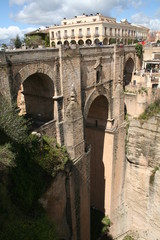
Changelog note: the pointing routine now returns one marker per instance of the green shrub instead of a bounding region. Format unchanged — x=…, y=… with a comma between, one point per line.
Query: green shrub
x=139, y=50
x=11, y=124
x=127, y=237
x=151, y=180
x=31, y=162
x=151, y=110
x=106, y=223
x=28, y=229
x=53, y=157
x=7, y=156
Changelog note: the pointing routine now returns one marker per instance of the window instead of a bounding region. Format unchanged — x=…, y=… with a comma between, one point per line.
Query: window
x=80, y=32
x=65, y=33
x=52, y=34
x=72, y=33
x=96, y=32
x=134, y=82
x=98, y=76
x=88, y=32
x=58, y=34
x=105, y=31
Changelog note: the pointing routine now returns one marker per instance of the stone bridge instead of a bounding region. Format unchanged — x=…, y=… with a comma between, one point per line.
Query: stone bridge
x=76, y=95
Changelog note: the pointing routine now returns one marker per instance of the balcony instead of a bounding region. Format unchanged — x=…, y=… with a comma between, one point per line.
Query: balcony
x=88, y=35
x=80, y=35
x=96, y=35
x=66, y=37
x=105, y=35
x=72, y=36
x=59, y=37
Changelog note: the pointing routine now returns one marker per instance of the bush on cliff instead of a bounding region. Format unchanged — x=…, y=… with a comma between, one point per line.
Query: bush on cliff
x=27, y=164
x=152, y=110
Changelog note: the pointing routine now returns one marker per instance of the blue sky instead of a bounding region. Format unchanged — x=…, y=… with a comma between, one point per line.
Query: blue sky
x=22, y=16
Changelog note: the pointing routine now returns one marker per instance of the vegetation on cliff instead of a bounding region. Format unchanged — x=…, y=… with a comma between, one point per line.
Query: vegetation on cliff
x=27, y=166
x=128, y=237
x=139, y=50
x=152, y=176
x=152, y=110
x=100, y=225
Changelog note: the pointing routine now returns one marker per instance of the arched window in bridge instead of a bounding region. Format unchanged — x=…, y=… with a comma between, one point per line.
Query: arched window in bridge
x=98, y=69
x=98, y=76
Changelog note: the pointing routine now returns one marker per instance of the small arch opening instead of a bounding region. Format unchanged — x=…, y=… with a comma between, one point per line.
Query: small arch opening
x=98, y=75
x=128, y=70
x=81, y=42
x=89, y=42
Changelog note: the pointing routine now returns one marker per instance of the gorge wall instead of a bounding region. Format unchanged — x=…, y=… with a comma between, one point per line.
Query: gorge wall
x=142, y=189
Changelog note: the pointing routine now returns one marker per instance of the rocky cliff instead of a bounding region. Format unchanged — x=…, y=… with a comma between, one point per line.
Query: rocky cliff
x=142, y=188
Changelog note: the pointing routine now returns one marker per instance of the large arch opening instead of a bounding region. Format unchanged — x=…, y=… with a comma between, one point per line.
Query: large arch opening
x=35, y=98
x=128, y=70
x=94, y=135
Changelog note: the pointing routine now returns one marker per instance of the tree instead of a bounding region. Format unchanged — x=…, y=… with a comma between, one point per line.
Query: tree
x=17, y=42
x=139, y=50
x=4, y=45
x=112, y=41
x=34, y=41
x=47, y=40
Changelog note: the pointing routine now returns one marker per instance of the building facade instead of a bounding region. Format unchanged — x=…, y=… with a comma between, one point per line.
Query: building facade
x=94, y=30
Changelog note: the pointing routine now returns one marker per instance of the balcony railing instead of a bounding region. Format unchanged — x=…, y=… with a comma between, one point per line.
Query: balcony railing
x=80, y=35
x=72, y=36
x=88, y=35
x=66, y=36
x=96, y=34
x=59, y=37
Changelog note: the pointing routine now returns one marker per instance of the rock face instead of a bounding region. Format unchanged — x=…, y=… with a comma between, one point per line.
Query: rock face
x=142, y=189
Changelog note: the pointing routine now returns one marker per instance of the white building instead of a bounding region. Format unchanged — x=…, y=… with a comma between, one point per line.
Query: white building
x=95, y=29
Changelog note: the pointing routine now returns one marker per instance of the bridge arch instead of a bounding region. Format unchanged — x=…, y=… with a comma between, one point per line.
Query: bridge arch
x=128, y=70
x=93, y=95
x=94, y=135
x=96, y=114
x=35, y=91
x=97, y=109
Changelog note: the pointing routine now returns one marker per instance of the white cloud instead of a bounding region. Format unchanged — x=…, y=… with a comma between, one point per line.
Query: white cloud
x=18, y=2
x=10, y=33
x=49, y=12
x=142, y=19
